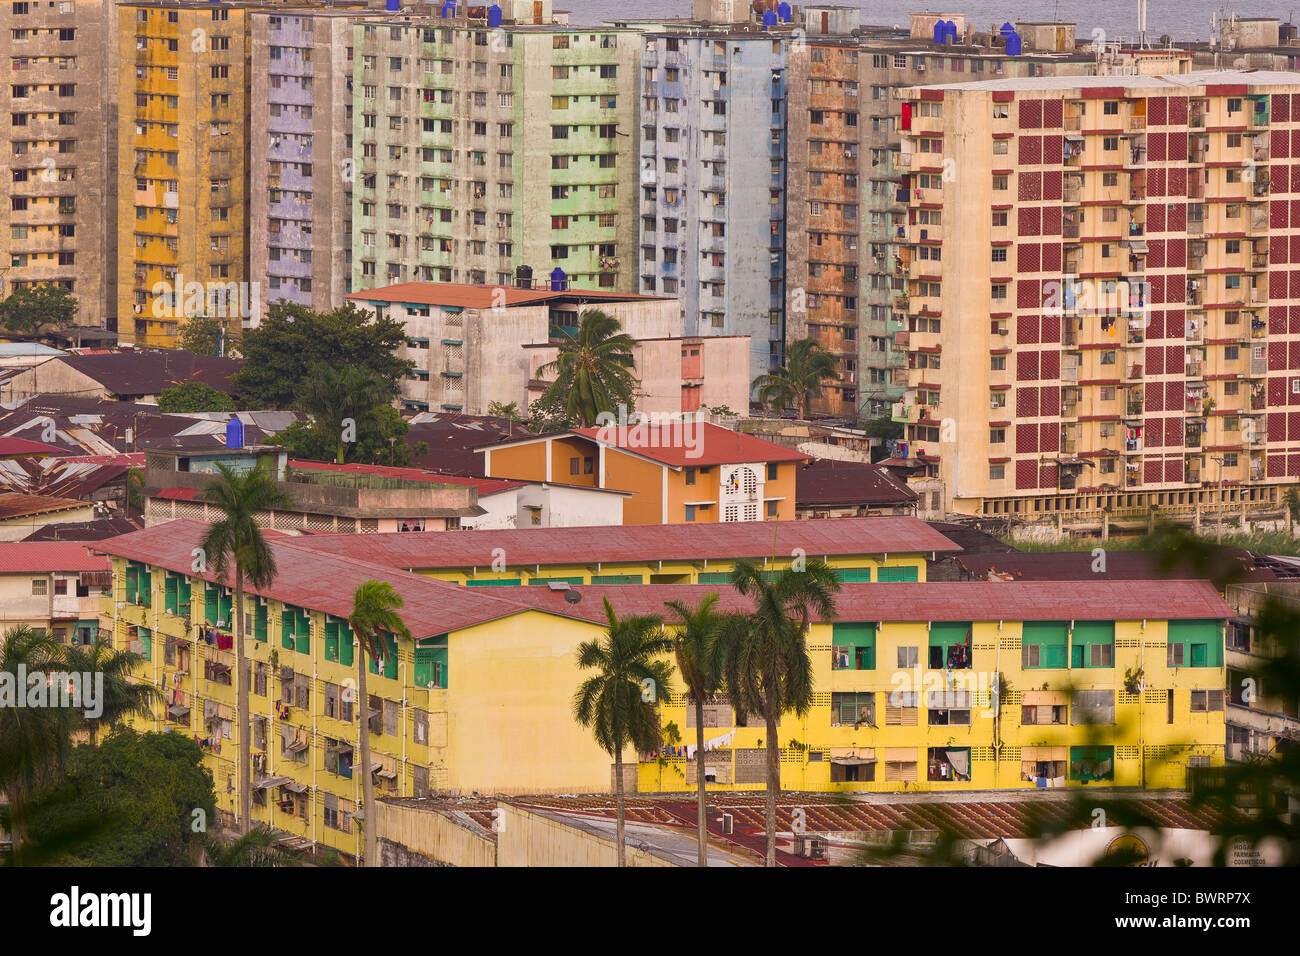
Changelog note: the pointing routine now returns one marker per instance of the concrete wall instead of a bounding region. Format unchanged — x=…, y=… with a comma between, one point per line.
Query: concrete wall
x=528, y=838
x=52, y=377
x=560, y=507
x=15, y=529
x=411, y=836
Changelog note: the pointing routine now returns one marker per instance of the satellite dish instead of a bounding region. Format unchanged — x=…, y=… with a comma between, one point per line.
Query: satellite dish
x=572, y=596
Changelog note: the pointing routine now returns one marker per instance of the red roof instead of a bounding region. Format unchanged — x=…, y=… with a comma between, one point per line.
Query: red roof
x=38, y=557
x=465, y=296
x=694, y=444
x=485, y=486
x=322, y=582
x=931, y=601
x=14, y=505
x=13, y=446
x=179, y=494
x=649, y=542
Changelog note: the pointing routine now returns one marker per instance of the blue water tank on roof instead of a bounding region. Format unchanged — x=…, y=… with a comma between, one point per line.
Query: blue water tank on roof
x=950, y=31
x=1006, y=29
x=784, y=11
x=559, y=281
x=234, y=433
x=939, y=30
x=494, y=16
x=448, y=11
x=769, y=18
x=392, y=6
x=1014, y=44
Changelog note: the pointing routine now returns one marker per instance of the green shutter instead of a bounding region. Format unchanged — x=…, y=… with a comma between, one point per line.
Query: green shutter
x=171, y=595
x=893, y=573
x=302, y=632
x=502, y=582
x=287, y=618
x=1052, y=637
x=573, y=580
x=431, y=663
x=346, y=650
x=259, y=622
x=184, y=592
x=331, y=641
x=1087, y=634
x=714, y=577
x=210, y=605
x=225, y=607
x=146, y=640
x=1204, y=640
x=132, y=582
x=390, y=657
x=616, y=579
x=853, y=575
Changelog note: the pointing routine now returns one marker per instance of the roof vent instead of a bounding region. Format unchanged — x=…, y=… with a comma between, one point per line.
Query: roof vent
x=558, y=585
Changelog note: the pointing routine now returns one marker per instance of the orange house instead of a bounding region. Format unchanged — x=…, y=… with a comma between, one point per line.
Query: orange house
x=678, y=472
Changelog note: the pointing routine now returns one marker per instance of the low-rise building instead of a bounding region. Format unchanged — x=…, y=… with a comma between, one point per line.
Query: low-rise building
x=685, y=471
x=825, y=488
x=320, y=500
x=21, y=514
x=467, y=341
x=53, y=586
x=120, y=375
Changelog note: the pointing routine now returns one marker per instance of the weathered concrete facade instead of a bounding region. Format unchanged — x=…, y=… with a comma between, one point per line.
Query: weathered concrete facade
x=459, y=129
x=58, y=171
x=712, y=187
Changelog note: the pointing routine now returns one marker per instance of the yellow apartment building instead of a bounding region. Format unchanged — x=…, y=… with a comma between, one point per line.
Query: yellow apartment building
x=479, y=700
x=1102, y=294
x=182, y=167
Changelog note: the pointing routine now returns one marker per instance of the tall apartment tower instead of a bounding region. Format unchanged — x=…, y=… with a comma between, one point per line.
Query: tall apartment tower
x=300, y=155
x=479, y=149
x=712, y=182
x=846, y=208
x=182, y=164
x=1104, y=301
x=57, y=170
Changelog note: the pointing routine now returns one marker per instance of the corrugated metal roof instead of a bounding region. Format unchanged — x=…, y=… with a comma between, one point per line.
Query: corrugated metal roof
x=829, y=482
x=932, y=601
x=322, y=582
x=485, y=486
x=14, y=505
x=12, y=445
x=623, y=543
x=45, y=556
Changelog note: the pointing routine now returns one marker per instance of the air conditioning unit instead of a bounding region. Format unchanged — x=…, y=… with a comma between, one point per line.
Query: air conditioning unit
x=728, y=824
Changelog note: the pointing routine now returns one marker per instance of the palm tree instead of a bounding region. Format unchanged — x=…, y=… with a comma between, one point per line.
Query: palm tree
x=257, y=847
x=332, y=396
x=121, y=697
x=235, y=541
x=698, y=641
x=374, y=609
x=594, y=371
x=31, y=738
x=613, y=702
x=767, y=667
x=1292, y=501
x=794, y=384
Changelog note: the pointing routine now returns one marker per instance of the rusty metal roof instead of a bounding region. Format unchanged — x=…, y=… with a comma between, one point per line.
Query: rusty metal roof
x=45, y=556
x=321, y=582
x=635, y=543
x=934, y=601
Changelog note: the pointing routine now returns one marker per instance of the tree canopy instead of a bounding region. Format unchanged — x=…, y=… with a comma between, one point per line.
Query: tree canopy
x=204, y=335
x=195, y=397
x=291, y=340
x=29, y=310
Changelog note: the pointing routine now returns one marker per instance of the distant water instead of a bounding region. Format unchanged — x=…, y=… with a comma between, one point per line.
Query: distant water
x=1180, y=19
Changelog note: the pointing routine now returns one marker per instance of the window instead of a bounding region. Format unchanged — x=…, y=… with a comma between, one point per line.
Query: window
x=853, y=709
x=908, y=658
x=1204, y=701
x=1092, y=707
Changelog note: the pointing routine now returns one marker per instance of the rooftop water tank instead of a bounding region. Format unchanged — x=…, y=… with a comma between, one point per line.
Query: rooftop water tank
x=784, y=12
x=1006, y=28
x=950, y=31
x=448, y=11
x=234, y=433
x=559, y=281
x=494, y=16
x=524, y=277
x=939, y=31
x=1014, y=44
x=769, y=19
x=392, y=6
